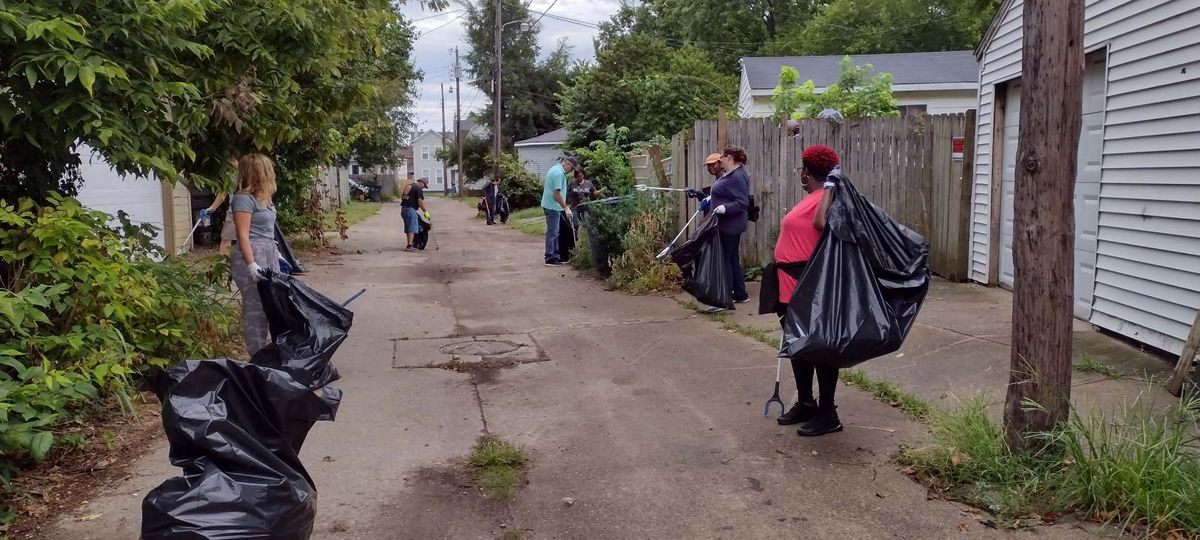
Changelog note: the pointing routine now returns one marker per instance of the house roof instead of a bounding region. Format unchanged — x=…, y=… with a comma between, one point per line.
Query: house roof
x=951, y=67
x=557, y=136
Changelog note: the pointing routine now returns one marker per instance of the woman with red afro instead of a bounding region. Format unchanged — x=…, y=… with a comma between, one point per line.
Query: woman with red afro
x=799, y=233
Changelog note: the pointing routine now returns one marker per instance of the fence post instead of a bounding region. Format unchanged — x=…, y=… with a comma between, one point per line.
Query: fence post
x=655, y=153
x=962, y=265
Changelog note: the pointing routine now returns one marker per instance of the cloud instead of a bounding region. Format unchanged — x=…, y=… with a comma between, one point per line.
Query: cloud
x=433, y=51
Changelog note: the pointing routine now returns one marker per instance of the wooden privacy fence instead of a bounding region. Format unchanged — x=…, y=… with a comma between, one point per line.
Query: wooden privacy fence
x=915, y=168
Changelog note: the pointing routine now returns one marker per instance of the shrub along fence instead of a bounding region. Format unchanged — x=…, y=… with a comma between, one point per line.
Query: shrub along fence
x=915, y=168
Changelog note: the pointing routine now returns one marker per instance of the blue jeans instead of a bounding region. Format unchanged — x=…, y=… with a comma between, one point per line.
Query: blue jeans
x=733, y=265
x=553, y=221
x=412, y=224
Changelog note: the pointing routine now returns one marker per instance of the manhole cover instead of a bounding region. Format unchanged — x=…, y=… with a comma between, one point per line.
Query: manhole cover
x=480, y=348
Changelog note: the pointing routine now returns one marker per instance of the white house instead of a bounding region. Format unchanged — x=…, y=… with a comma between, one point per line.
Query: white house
x=1137, y=191
x=929, y=82
x=424, y=147
x=541, y=152
x=149, y=200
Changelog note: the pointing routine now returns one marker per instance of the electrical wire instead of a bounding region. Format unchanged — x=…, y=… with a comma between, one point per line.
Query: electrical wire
x=447, y=23
x=442, y=14
x=539, y=19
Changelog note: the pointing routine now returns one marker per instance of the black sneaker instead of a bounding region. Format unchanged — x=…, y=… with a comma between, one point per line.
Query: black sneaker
x=823, y=423
x=800, y=412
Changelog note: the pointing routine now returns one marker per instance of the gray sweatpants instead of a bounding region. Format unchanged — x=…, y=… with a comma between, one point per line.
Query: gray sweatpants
x=254, y=318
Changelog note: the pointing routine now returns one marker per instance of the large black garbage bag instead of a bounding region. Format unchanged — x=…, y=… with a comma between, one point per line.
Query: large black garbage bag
x=702, y=261
x=236, y=428
x=285, y=251
x=566, y=237
x=862, y=289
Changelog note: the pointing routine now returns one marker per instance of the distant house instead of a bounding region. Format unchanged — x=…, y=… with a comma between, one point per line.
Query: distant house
x=1137, y=189
x=931, y=82
x=149, y=200
x=541, y=152
x=424, y=159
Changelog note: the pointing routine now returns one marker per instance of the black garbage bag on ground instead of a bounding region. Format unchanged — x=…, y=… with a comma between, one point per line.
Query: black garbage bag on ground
x=285, y=251
x=566, y=237
x=862, y=288
x=236, y=428
x=421, y=239
x=703, y=264
x=502, y=208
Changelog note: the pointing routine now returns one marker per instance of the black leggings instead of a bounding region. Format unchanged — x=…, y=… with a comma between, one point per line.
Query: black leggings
x=827, y=376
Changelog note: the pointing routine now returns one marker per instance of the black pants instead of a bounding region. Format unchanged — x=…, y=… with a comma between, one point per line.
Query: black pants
x=827, y=376
x=730, y=245
x=491, y=210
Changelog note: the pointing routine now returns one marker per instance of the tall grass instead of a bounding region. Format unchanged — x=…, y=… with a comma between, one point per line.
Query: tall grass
x=1139, y=469
x=635, y=269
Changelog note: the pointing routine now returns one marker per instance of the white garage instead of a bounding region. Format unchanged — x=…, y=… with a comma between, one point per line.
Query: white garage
x=145, y=200
x=1137, y=189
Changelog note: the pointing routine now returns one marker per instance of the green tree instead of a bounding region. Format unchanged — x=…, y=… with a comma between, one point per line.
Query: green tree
x=74, y=72
x=477, y=162
x=528, y=86
x=640, y=82
x=786, y=98
x=858, y=93
x=869, y=26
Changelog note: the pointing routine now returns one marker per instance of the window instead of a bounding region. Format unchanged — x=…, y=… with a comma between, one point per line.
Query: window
x=424, y=173
x=354, y=169
x=424, y=152
x=438, y=180
x=912, y=110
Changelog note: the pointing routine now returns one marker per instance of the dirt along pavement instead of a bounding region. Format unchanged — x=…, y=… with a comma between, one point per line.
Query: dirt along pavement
x=640, y=419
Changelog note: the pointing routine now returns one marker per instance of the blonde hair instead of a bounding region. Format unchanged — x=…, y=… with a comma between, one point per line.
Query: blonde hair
x=256, y=176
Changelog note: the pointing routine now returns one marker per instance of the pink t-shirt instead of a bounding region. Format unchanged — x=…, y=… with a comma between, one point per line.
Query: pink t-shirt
x=797, y=239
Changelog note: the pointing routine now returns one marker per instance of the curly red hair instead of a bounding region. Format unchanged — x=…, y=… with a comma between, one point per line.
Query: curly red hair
x=819, y=160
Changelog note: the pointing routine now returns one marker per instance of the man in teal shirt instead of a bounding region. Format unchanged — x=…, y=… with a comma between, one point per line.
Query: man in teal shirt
x=554, y=204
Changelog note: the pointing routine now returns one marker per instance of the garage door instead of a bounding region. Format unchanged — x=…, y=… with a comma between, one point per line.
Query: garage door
x=1087, y=184
x=105, y=190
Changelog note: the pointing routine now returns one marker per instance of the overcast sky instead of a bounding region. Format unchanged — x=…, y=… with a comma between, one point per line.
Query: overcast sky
x=440, y=33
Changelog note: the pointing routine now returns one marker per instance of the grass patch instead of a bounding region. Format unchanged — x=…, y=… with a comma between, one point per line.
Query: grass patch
x=889, y=393
x=531, y=221
x=766, y=337
x=1138, y=469
x=355, y=212
x=581, y=256
x=1088, y=364
x=497, y=466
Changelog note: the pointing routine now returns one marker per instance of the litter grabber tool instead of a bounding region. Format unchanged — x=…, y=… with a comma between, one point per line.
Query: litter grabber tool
x=775, y=396
x=190, y=237
x=353, y=298
x=644, y=187
x=662, y=255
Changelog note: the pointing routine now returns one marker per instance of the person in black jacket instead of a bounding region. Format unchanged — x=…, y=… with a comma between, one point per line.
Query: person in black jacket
x=730, y=199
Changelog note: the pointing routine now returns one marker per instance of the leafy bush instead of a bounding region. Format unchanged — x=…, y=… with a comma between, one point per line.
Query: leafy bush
x=523, y=189
x=85, y=308
x=635, y=269
x=606, y=164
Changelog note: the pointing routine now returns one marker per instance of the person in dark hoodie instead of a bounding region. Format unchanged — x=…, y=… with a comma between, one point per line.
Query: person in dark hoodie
x=799, y=233
x=730, y=199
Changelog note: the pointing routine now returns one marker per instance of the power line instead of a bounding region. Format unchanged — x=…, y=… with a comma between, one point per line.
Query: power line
x=447, y=23
x=539, y=19
x=442, y=14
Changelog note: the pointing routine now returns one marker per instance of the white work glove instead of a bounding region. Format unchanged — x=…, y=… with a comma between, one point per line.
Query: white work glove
x=257, y=272
x=568, y=212
x=720, y=209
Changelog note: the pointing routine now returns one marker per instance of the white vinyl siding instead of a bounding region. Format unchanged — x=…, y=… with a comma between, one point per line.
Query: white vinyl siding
x=1147, y=271
x=539, y=158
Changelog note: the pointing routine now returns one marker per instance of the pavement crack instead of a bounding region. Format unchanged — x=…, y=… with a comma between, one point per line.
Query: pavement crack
x=479, y=402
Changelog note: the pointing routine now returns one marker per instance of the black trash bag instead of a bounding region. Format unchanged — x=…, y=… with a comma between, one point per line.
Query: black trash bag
x=502, y=208
x=236, y=428
x=702, y=261
x=421, y=239
x=862, y=288
x=566, y=237
x=285, y=251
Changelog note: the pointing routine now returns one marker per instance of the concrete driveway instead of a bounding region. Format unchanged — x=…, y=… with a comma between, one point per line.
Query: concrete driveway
x=646, y=416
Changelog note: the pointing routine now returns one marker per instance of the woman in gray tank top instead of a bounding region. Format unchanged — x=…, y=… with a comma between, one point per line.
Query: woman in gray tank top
x=254, y=248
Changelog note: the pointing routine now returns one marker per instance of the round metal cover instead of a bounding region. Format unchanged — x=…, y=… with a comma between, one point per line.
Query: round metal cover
x=480, y=348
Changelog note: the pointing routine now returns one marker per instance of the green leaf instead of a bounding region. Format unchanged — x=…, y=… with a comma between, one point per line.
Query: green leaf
x=39, y=445
x=108, y=310
x=87, y=77
x=70, y=70
x=31, y=74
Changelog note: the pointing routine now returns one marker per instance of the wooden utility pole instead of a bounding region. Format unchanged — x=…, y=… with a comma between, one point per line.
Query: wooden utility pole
x=1039, y=390
x=496, y=105
x=445, y=167
x=1188, y=355
x=458, y=122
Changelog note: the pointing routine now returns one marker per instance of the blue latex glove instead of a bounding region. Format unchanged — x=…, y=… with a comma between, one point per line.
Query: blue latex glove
x=203, y=214
x=705, y=204
x=695, y=194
